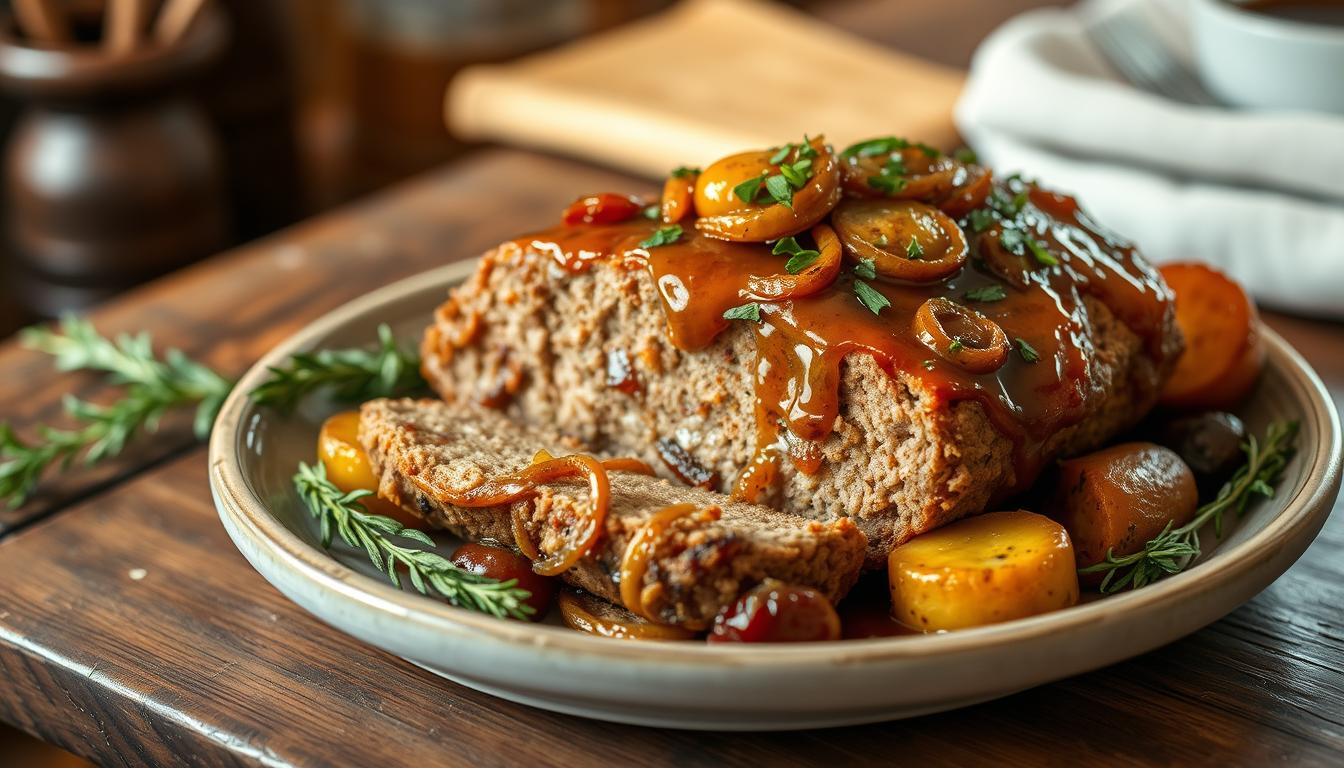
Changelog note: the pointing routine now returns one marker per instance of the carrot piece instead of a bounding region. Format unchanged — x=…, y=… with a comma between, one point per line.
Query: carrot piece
x=1116, y=499
x=1223, y=349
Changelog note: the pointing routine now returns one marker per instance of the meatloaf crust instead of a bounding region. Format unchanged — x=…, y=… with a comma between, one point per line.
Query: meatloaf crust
x=421, y=449
x=897, y=463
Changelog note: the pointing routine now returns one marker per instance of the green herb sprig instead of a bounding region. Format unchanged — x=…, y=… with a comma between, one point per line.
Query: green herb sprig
x=153, y=386
x=351, y=375
x=340, y=513
x=1174, y=549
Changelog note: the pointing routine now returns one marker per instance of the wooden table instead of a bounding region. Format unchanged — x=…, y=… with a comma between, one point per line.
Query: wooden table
x=132, y=632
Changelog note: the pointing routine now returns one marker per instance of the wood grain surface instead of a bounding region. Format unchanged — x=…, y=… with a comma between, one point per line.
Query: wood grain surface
x=133, y=633
x=201, y=658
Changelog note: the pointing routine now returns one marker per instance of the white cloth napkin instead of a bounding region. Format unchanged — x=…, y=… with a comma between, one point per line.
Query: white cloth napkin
x=1258, y=194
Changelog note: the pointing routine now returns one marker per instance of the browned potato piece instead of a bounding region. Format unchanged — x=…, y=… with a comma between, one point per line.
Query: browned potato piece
x=1120, y=497
x=982, y=570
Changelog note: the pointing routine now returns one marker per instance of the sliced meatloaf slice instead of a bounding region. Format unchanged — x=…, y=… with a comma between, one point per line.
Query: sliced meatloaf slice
x=552, y=347
x=420, y=449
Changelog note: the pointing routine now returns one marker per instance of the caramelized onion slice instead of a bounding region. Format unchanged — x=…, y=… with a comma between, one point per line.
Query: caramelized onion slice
x=586, y=613
x=727, y=218
x=973, y=185
x=632, y=465
x=905, y=240
x=623, y=464
x=635, y=561
x=678, y=197
x=812, y=279
x=960, y=335
x=515, y=486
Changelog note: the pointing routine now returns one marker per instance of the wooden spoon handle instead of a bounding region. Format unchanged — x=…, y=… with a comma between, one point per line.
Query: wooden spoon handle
x=43, y=21
x=175, y=19
x=123, y=23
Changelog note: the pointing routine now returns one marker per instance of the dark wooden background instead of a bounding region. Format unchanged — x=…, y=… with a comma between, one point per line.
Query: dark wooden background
x=132, y=632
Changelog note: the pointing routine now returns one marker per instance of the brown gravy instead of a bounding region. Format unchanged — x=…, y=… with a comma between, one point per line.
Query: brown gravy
x=802, y=342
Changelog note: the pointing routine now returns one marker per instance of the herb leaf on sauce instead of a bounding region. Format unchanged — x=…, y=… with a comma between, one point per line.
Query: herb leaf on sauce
x=987, y=293
x=870, y=297
x=800, y=258
x=750, y=311
x=1027, y=351
x=664, y=236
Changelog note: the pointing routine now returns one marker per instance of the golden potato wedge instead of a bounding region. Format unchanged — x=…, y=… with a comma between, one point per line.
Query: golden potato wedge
x=348, y=467
x=982, y=570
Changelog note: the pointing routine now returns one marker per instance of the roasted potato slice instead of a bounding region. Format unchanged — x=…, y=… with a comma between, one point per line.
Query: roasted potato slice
x=983, y=570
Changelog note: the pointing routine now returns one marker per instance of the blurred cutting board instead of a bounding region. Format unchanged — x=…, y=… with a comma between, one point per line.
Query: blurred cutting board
x=704, y=79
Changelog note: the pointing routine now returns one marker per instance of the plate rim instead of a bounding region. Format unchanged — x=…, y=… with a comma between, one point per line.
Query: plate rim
x=1309, y=506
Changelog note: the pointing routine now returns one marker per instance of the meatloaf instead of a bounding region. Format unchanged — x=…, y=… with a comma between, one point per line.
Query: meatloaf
x=426, y=451
x=883, y=333
x=898, y=461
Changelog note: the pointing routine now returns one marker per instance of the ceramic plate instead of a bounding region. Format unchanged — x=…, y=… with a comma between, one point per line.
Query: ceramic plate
x=254, y=453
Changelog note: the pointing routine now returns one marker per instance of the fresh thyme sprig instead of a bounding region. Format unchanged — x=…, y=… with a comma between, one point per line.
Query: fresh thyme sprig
x=340, y=513
x=1175, y=548
x=350, y=374
x=153, y=386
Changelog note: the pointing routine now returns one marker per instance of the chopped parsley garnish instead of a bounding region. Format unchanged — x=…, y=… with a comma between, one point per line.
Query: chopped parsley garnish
x=652, y=211
x=928, y=365
x=980, y=219
x=882, y=240
x=913, y=250
x=1005, y=206
x=875, y=147
x=870, y=297
x=1013, y=241
x=1027, y=351
x=779, y=187
x=747, y=190
x=796, y=173
x=886, y=145
x=890, y=178
x=987, y=293
x=800, y=258
x=681, y=172
x=750, y=311
x=1038, y=250
x=664, y=236
x=965, y=155
x=955, y=346
x=779, y=190
x=866, y=269
x=891, y=185
x=1017, y=242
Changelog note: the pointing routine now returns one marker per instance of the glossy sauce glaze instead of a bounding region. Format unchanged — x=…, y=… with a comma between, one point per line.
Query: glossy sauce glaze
x=1046, y=383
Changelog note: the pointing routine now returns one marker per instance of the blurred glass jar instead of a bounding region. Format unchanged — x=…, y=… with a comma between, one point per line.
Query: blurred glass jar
x=404, y=53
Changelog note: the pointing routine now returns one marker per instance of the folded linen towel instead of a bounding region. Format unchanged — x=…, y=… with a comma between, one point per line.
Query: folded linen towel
x=1260, y=194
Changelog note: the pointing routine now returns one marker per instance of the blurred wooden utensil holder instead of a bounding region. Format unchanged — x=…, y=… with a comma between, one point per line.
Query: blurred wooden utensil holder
x=112, y=172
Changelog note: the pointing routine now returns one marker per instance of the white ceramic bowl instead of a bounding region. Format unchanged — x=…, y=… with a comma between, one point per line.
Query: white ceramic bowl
x=1258, y=61
x=254, y=453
